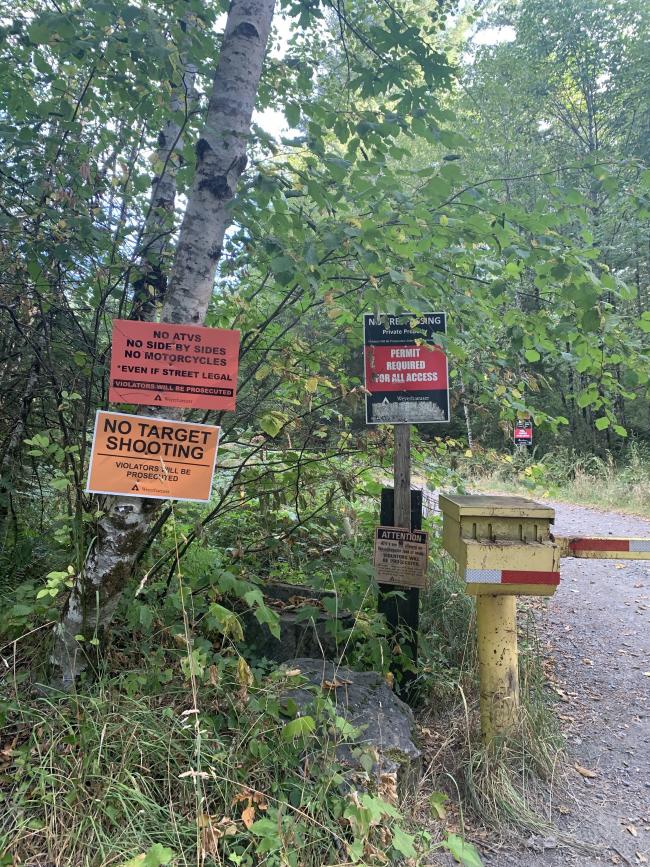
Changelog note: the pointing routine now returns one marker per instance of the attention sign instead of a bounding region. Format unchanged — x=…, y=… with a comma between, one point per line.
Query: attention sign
x=162, y=364
x=141, y=456
x=401, y=556
x=406, y=379
x=523, y=433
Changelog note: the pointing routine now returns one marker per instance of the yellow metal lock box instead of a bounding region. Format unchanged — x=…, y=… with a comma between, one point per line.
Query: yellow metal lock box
x=502, y=544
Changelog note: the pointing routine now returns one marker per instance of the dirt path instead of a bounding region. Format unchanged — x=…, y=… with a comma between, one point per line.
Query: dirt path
x=597, y=630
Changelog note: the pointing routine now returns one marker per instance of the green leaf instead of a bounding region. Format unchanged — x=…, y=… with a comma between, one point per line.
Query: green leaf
x=587, y=397
x=283, y=269
x=355, y=850
x=300, y=727
x=437, y=801
x=265, y=828
x=403, y=843
x=532, y=355
x=292, y=113
x=601, y=423
x=271, y=424
x=156, y=856
x=346, y=729
x=226, y=622
x=462, y=851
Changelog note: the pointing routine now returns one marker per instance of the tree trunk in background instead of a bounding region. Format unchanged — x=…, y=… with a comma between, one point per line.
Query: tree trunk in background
x=14, y=446
x=221, y=158
x=149, y=288
x=468, y=420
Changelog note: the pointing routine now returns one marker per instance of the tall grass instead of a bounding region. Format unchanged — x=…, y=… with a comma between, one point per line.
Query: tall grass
x=95, y=779
x=502, y=784
x=609, y=482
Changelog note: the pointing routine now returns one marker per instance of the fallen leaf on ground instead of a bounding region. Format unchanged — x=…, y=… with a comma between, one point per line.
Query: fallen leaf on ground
x=293, y=672
x=633, y=831
x=212, y=831
x=585, y=772
x=333, y=684
x=248, y=815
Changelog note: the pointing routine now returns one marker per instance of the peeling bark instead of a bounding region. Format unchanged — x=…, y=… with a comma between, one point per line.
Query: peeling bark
x=221, y=158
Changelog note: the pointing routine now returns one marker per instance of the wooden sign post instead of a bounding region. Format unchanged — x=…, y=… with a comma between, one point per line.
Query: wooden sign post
x=402, y=507
x=407, y=382
x=402, y=476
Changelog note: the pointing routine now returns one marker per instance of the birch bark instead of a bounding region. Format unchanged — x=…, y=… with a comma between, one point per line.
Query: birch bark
x=221, y=158
x=149, y=288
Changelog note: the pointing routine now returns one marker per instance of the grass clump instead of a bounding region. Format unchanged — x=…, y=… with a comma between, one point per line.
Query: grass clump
x=235, y=778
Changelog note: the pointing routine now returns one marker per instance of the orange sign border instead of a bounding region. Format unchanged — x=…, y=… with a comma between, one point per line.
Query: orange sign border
x=106, y=412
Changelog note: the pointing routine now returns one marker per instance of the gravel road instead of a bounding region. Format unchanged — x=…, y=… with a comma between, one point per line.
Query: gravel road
x=596, y=638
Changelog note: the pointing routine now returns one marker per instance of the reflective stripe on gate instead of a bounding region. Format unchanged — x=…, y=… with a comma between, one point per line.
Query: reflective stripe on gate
x=510, y=576
x=609, y=548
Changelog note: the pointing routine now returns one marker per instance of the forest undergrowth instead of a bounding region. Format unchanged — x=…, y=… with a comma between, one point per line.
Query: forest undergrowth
x=179, y=748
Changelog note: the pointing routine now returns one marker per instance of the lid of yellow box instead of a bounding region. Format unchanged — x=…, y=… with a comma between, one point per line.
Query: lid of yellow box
x=490, y=505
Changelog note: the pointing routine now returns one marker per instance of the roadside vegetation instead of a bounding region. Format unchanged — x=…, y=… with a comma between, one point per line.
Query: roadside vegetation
x=490, y=161
x=179, y=742
x=618, y=482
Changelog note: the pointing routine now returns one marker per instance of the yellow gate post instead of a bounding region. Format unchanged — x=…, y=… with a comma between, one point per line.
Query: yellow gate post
x=496, y=633
x=503, y=549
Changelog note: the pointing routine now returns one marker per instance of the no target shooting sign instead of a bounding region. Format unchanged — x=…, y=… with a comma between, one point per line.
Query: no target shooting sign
x=141, y=456
x=406, y=374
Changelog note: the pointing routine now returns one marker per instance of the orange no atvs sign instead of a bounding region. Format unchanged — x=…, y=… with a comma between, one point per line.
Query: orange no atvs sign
x=139, y=456
x=163, y=364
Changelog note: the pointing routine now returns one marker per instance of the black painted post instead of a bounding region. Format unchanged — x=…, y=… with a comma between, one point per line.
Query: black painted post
x=401, y=612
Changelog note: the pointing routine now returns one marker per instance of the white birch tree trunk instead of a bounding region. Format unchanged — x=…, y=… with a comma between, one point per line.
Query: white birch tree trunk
x=221, y=158
x=468, y=420
x=149, y=288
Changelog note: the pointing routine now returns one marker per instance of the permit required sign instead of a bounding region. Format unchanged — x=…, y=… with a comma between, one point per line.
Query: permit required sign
x=407, y=379
x=165, y=364
x=523, y=435
x=142, y=456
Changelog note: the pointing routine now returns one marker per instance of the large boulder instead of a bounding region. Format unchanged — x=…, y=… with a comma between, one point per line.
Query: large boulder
x=365, y=701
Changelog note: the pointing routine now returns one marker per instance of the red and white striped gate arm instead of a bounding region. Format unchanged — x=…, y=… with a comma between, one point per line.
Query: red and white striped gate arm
x=607, y=548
